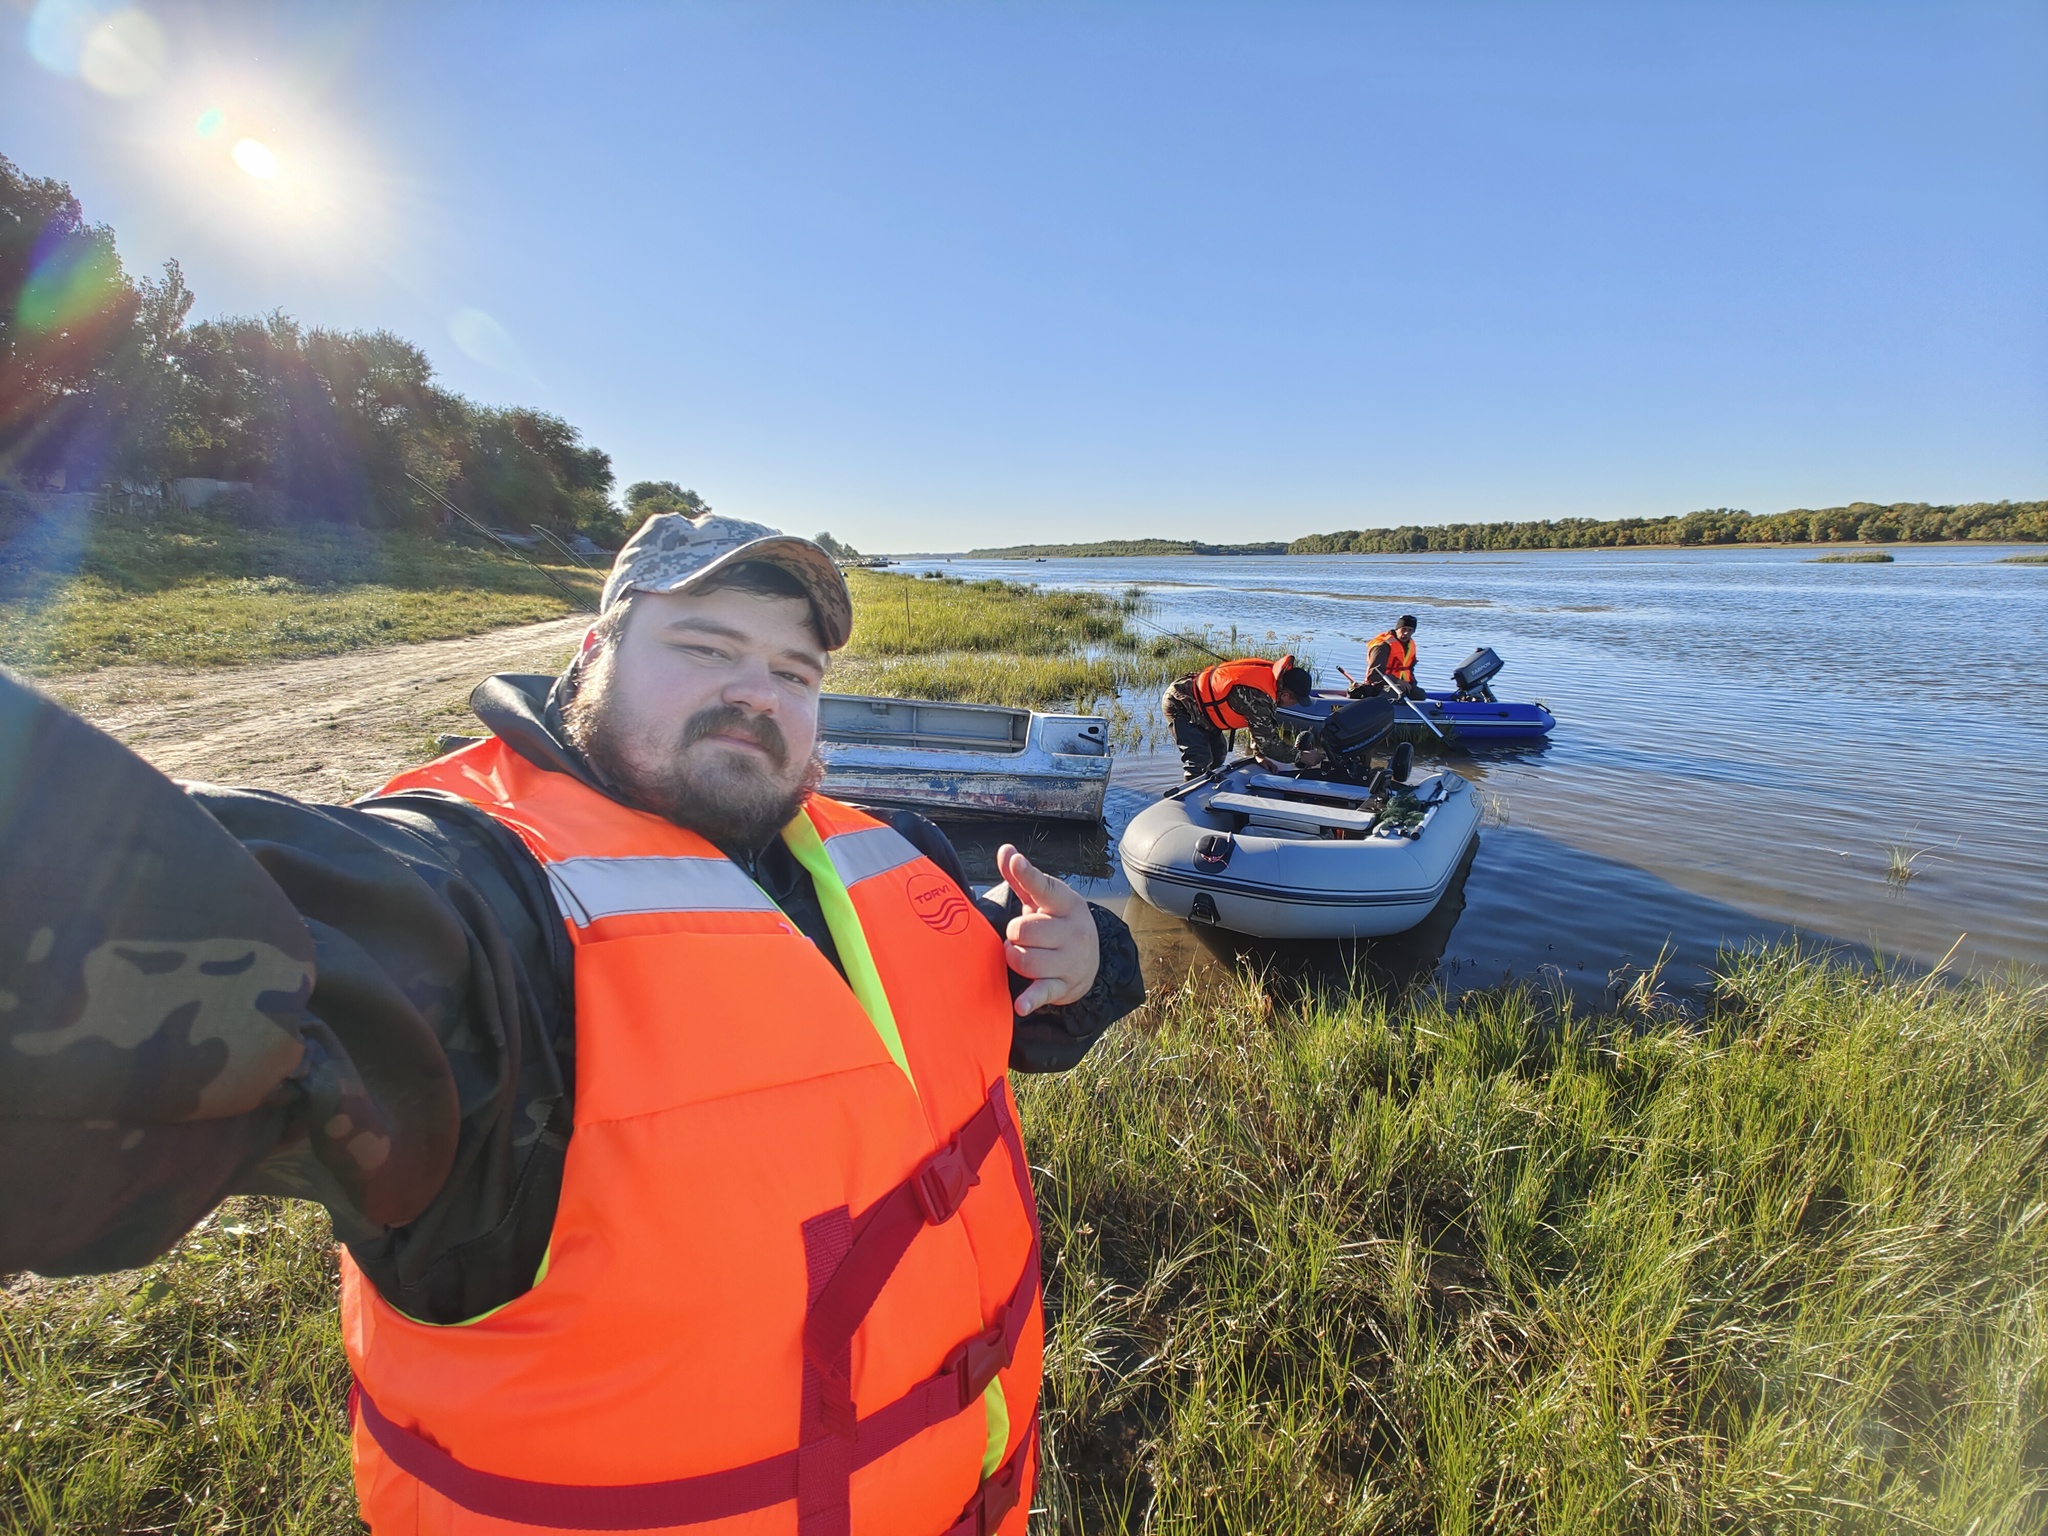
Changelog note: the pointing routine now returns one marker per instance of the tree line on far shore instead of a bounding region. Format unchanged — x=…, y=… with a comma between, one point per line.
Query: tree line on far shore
x=104, y=382
x=1861, y=521
x=1128, y=549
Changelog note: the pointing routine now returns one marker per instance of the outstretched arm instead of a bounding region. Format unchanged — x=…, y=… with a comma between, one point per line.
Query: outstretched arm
x=207, y=992
x=156, y=1022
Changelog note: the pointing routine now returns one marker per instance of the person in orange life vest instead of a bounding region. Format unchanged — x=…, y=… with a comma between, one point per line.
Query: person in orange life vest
x=1390, y=661
x=659, y=1100
x=1232, y=696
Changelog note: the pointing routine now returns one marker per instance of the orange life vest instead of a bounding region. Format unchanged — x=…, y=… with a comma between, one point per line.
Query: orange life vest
x=1213, y=685
x=792, y=1285
x=1400, y=656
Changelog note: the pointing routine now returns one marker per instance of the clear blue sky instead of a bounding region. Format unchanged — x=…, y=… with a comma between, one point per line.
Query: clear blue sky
x=942, y=275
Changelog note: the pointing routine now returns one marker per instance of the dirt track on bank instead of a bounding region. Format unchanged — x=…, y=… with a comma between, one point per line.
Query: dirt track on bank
x=328, y=728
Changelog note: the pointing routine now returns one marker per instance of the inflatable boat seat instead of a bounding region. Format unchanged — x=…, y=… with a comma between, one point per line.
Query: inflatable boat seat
x=1292, y=813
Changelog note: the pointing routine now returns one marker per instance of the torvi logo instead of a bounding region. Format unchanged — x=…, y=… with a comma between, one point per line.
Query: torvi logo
x=938, y=901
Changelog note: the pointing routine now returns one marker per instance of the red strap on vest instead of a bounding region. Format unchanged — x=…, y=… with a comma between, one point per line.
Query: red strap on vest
x=881, y=1236
x=998, y=1495
x=955, y=1386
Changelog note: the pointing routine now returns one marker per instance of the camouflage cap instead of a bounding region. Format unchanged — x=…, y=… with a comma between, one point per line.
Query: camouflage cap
x=672, y=553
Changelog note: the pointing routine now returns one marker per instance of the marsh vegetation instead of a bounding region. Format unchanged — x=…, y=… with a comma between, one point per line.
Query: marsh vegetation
x=994, y=642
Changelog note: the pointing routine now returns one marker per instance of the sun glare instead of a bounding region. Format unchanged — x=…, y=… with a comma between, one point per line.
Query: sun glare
x=255, y=145
x=256, y=158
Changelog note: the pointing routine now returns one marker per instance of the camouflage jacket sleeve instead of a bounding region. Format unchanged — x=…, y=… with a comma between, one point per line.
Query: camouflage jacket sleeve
x=159, y=1021
x=1269, y=739
x=222, y=992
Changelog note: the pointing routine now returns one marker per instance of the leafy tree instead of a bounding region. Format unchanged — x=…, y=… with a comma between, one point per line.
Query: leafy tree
x=834, y=548
x=645, y=498
x=1910, y=522
x=64, y=303
x=100, y=375
x=520, y=467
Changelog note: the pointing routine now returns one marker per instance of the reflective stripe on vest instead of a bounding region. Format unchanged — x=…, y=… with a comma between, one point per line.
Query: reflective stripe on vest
x=1213, y=685
x=795, y=1238
x=589, y=889
x=859, y=856
x=1400, y=656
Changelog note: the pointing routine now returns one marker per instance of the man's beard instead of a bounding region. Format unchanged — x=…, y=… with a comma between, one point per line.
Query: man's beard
x=718, y=796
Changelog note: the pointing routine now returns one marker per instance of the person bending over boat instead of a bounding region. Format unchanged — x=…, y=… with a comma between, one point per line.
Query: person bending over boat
x=1237, y=696
x=679, y=1086
x=1390, y=662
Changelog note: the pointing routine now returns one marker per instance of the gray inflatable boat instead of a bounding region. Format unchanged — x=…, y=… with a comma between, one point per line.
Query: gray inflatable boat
x=1350, y=852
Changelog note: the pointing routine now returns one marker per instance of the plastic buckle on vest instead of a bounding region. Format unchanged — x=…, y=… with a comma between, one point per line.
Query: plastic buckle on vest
x=976, y=1362
x=942, y=1181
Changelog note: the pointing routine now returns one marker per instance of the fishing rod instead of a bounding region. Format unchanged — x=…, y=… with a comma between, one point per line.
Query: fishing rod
x=1176, y=635
x=510, y=548
x=565, y=549
x=1403, y=699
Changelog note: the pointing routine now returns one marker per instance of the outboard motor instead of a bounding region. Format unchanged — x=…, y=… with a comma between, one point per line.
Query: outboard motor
x=1474, y=672
x=1347, y=735
x=1354, y=726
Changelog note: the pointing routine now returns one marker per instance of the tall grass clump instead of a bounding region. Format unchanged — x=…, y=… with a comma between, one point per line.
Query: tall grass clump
x=905, y=616
x=203, y=1394
x=1365, y=1267
x=995, y=642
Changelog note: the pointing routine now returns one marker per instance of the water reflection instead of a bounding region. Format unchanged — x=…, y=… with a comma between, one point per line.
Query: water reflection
x=1080, y=853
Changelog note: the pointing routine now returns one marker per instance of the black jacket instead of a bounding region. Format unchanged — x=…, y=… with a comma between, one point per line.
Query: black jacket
x=411, y=1064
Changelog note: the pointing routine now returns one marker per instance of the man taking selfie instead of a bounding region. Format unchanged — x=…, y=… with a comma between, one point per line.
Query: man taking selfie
x=659, y=1101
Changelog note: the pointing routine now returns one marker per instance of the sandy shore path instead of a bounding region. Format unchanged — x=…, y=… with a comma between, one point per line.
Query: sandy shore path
x=328, y=728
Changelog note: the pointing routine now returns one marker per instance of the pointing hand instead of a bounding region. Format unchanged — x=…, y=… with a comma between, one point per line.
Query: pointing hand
x=1053, y=941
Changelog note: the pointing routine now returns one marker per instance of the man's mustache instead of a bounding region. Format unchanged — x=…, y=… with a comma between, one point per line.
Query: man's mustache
x=730, y=719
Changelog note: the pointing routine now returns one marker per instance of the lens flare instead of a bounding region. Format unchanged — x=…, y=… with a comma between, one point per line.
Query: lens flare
x=256, y=159
x=483, y=338
x=124, y=55
x=211, y=121
x=70, y=282
x=57, y=30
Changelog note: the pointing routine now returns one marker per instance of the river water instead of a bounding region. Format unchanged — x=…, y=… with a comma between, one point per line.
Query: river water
x=1749, y=744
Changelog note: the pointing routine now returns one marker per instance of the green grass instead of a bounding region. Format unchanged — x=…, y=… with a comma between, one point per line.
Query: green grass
x=203, y=1394
x=82, y=592
x=1347, y=1266
x=2024, y=560
x=1854, y=557
x=994, y=642
x=1358, y=1268
x=912, y=616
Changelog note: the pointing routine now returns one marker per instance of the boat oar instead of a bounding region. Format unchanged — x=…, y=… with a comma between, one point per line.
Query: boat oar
x=1404, y=699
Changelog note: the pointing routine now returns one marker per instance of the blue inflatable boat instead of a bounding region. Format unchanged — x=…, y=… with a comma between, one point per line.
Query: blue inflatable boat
x=1478, y=717
x=1480, y=721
